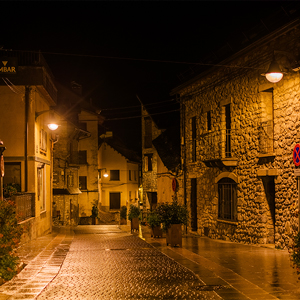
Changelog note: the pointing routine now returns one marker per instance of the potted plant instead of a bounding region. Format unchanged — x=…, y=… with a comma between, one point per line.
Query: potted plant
x=94, y=213
x=133, y=216
x=123, y=215
x=154, y=222
x=173, y=216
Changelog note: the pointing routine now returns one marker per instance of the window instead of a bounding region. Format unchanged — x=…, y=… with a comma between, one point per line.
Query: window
x=43, y=140
x=148, y=132
x=114, y=200
x=135, y=177
x=129, y=175
x=82, y=156
x=148, y=162
x=228, y=131
x=70, y=179
x=227, y=199
x=13, y=174
x=208, y=120
x=194, y=141
x=82, y=182
x=114, y=174
x=41, y=187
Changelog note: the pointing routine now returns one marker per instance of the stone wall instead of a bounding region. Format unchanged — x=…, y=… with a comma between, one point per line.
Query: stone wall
x=256, y=171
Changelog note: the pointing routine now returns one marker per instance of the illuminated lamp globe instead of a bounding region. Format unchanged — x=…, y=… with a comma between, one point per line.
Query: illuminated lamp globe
x=274, y=73
x=52, y=126
x=105, y=175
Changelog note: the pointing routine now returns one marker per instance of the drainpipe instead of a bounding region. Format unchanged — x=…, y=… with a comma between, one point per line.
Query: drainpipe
x=27, y=96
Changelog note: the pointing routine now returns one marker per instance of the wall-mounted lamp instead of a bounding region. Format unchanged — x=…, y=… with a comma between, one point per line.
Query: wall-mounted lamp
x=52, y=123
x=105, y=174
x=274, y=73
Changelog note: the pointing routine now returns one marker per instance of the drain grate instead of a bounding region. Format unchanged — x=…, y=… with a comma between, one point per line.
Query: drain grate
x=210, y=287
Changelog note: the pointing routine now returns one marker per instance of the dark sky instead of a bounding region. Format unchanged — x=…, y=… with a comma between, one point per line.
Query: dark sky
x=105, y=46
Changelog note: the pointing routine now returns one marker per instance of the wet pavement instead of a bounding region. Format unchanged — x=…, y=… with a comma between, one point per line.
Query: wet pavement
x=106, y=262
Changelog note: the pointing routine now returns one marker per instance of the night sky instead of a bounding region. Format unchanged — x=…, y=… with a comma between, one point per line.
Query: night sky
x=118, y=50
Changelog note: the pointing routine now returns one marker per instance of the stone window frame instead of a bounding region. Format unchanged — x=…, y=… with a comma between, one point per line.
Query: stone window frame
x=228, y=178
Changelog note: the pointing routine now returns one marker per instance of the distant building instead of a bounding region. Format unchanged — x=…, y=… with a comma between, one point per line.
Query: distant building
x=121, y=186
x=239, y=132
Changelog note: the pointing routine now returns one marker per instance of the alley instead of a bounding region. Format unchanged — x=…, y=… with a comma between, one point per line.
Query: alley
x=108, y=262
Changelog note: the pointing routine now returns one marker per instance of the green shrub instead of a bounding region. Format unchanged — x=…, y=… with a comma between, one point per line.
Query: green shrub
x=154, y=219
x=172, y=213
x=10, y=235
x=123, y=212
x=134, y=212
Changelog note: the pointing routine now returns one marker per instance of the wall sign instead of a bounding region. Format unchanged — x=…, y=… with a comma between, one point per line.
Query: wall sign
x=296, y=155
x=8, y=65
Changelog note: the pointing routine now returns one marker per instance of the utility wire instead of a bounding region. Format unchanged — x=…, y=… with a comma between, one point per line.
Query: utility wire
x=138, y=59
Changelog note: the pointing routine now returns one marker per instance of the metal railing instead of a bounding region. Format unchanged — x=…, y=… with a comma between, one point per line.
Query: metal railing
x=218, y=144
x=25, y=205
x=266, y=137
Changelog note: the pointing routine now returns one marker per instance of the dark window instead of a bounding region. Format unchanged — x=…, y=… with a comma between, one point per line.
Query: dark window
x=13, y=174
x=208, y=115
x=82, y=156
x=82, y=183
x=129, y=175
x=227, y=199
x=114, y=200
x=148, y=162
x=228, y=131
x=114, y=174
x=148, y=132
x=194, y=141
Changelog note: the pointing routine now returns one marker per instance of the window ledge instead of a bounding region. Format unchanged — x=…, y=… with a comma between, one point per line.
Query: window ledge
x=271, y=154
x=228, y=222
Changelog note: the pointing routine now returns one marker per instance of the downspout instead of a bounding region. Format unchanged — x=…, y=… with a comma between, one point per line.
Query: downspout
x=27, y=96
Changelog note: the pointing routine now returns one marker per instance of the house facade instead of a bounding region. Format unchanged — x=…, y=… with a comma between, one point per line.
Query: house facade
x=239, y=132
x=26, y=98
x=118, y=173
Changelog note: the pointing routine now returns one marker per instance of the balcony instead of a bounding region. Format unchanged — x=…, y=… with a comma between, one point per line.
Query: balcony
x=217, y=148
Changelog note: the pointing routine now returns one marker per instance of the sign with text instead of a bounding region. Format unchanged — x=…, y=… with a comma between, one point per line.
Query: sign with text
x=8, y=66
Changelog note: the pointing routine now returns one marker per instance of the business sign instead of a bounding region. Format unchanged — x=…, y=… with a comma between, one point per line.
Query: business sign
x=8, y=66
x=296, y=155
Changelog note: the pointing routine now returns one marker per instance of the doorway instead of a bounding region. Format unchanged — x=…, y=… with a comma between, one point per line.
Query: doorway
x=194, y=223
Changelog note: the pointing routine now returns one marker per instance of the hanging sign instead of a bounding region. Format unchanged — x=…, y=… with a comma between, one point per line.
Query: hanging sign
x=174, y=184
x=296, y=155
x=8, y=65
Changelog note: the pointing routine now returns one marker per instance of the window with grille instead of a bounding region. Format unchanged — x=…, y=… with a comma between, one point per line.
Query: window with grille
x=227, y=200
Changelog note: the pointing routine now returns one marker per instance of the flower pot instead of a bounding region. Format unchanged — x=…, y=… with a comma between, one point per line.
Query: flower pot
x=135, y=223
x=123, y=222
x=174, y=235
x=156, y=231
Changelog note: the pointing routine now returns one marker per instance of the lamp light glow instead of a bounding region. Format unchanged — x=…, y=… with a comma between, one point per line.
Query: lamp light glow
x=52, y=126
x=274, y=74
x=105, y=175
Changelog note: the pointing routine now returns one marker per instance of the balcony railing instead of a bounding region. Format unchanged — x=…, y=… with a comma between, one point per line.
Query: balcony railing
x=266, y=137
x=218, y=144
x=25, y=204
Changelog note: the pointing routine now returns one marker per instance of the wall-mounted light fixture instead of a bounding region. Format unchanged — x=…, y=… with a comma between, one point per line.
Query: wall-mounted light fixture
x=274, y=74
x=105, y=174
x=52, y=125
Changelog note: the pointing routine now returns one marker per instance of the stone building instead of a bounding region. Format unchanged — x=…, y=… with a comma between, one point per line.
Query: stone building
x=161, y=167
x=239, y=132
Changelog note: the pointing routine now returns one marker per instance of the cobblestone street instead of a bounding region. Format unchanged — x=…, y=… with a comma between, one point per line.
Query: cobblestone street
x=106, y=263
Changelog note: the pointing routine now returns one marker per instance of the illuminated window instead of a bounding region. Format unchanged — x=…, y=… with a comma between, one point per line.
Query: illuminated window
x=41, y=187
